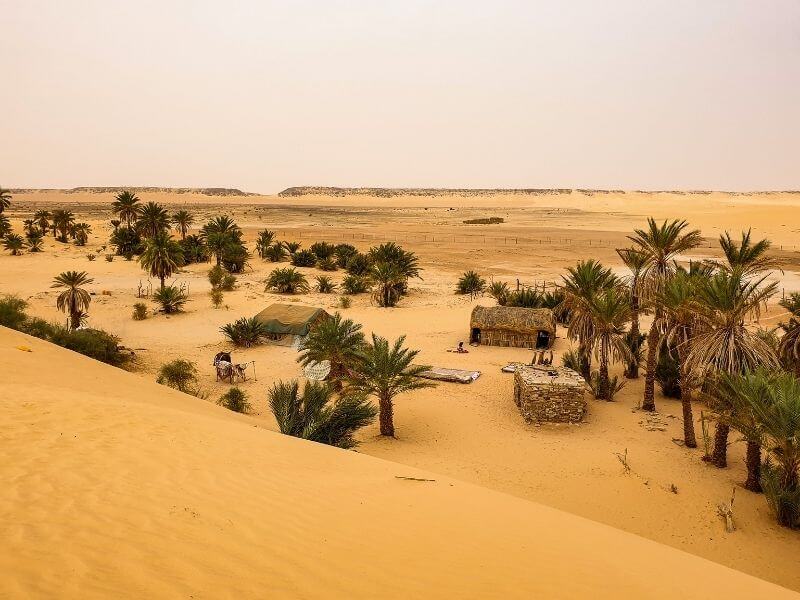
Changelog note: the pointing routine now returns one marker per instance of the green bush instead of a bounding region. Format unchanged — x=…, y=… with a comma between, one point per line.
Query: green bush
x=668, y=374
x=354, y=284
x=323, y=250
x=171, y=299
x=327, y=264
x=471, y=283
x=345, y=301
x=94, y=343
x=358, y=265
x=109, y=258
x=215, y=276
x=217, y=297
x=292, y=247
x=274, y=253
x=139, y=311
x=304, y=258
x=236, y=400
x=343, y=253
x=287, y=281
x=325, y=285
x=247, y=331
x=179, y=374
x=499, y=291
x=12, y=311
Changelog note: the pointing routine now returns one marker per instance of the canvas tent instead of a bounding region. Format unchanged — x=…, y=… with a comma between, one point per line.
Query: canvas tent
x=290, y=323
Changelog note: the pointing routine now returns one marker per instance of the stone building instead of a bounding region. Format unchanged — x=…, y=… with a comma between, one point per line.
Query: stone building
x=546, y=394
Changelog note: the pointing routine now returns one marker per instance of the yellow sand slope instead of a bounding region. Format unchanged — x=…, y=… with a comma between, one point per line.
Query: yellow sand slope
x=114, y=487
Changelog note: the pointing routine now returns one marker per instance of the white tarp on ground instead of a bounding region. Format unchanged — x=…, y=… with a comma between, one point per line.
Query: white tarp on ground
x=452, y=375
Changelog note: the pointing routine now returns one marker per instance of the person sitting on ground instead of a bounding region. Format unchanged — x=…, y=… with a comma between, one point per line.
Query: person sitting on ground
x=460, y=349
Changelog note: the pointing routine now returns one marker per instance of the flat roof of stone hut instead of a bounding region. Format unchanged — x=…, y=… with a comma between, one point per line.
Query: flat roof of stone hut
x=538, y=375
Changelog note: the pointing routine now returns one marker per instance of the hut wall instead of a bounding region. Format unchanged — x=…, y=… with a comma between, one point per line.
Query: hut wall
x=544, y=402
x=502, y=337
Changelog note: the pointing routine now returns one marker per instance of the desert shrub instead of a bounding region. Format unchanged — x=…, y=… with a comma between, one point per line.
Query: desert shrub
x=34, y=243
x=317, y=416
x=236, y=400
x=264, y=241
x=327, y=264
x=471, y=283
x=287, y=281
x=345, y=301
x=485, y=221
x=171, y=299
x=94, y=343
x=194, y=249
x=358, y=265
x=783, y=501
x=499, y=291
x=292, y=247
x=668, y=373
x=215, y=276
x=325, y=285
x=14, y=244
x=109, y=258
x=274, y=253
x=228, y=282
x=91, y=257
x=247, y=331
x=12, y=311
x=179, y=374
x=526, y=298
x=615, y=384
x=323, y=250
x=304, y=258
x=139, y=311
x=39, y=328
x=343, y=252
x=572, y=360
x=354, y=284
x=217, y=297
x=127, y=240
x=235, y=256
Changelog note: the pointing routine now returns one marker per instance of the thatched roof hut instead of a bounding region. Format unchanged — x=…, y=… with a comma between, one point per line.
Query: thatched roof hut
x=513, y=326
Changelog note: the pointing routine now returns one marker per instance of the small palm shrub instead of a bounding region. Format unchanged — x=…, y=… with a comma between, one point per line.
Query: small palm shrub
x=110, y=257
x=179, y=374
x=327, y=264
x=317, y=416
x=345, y=301
x=615, y=384
x=358, y=265
x=14, y=244
x=343, y=252
x=668, y=375
x=215, y=276
x=526, y=298
x=292, y=247
x=304, y=258
x=323, y=250
x=499, y=291
x=274, y=253
x=34, y=243
x=264, y=241
x=228, y=282
x=91, y=257
x=236, y=400
x=171, y=299
x=217, y=297
x=12, y=311
x=572, y=360
x=139, y=311
x=353, y=284
x=471, y=283
x=287, y=281
x=325, y=285
x=247, y=332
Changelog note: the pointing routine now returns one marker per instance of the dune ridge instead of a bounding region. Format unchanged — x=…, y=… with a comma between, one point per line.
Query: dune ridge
x=118, y=486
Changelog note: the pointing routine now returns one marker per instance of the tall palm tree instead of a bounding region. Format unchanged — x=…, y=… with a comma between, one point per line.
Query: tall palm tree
x=609, y=311
x=724, y=343
x=152, y=219
x=746, y=255
x=387, y=278
x=581, y=283
x=126, y=205
x=74, y=300
x=63, y=220
x=679, y=323
x=81, y=232
x=660, y=244
x=636, y=261
x=264, y=241
x=336, y=340
x=183, y=220
x=162, y=256
x=5, y=199
x=385, y=370
x=42, y=218
x=222, y=224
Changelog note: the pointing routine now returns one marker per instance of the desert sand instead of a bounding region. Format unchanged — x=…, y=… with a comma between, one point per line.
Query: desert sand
x=149, y=475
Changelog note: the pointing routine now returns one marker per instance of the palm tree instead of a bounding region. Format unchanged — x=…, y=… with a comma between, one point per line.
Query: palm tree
x=315, y=416
x=789, y=345
x=29, y=226
x=724, y=344
x=35, y=242
x=152, y=219
x=388, y=279
x=223, y=224
x=678, y=324
x=748, y=256
x=183, y=220
x=263, y=242
x=660, y=244
x=336, y=340
x=171, y=298
x=636, y=261
x=81, y=232
x=74, y=300
x=404, y=262
x=63, y=221
x=5, y=199
x=386, y=371
x=13, y=243
x=581, y=283
x=162, y=256
x=287, y=281
x=609, y=311
x=126, y=206
x=5, y=226
x=42, y=218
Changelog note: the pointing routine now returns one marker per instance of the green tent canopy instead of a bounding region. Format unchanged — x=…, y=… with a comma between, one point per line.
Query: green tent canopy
x=291, y=319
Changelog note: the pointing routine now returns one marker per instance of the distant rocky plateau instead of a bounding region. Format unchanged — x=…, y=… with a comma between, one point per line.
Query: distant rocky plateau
x=392, y=192
x=139, y=190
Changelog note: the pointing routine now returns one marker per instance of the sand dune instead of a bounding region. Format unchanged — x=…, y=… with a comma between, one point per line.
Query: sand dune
x=114, y=486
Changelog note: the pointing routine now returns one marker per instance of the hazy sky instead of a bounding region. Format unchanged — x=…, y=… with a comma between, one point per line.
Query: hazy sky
x=262, y=95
